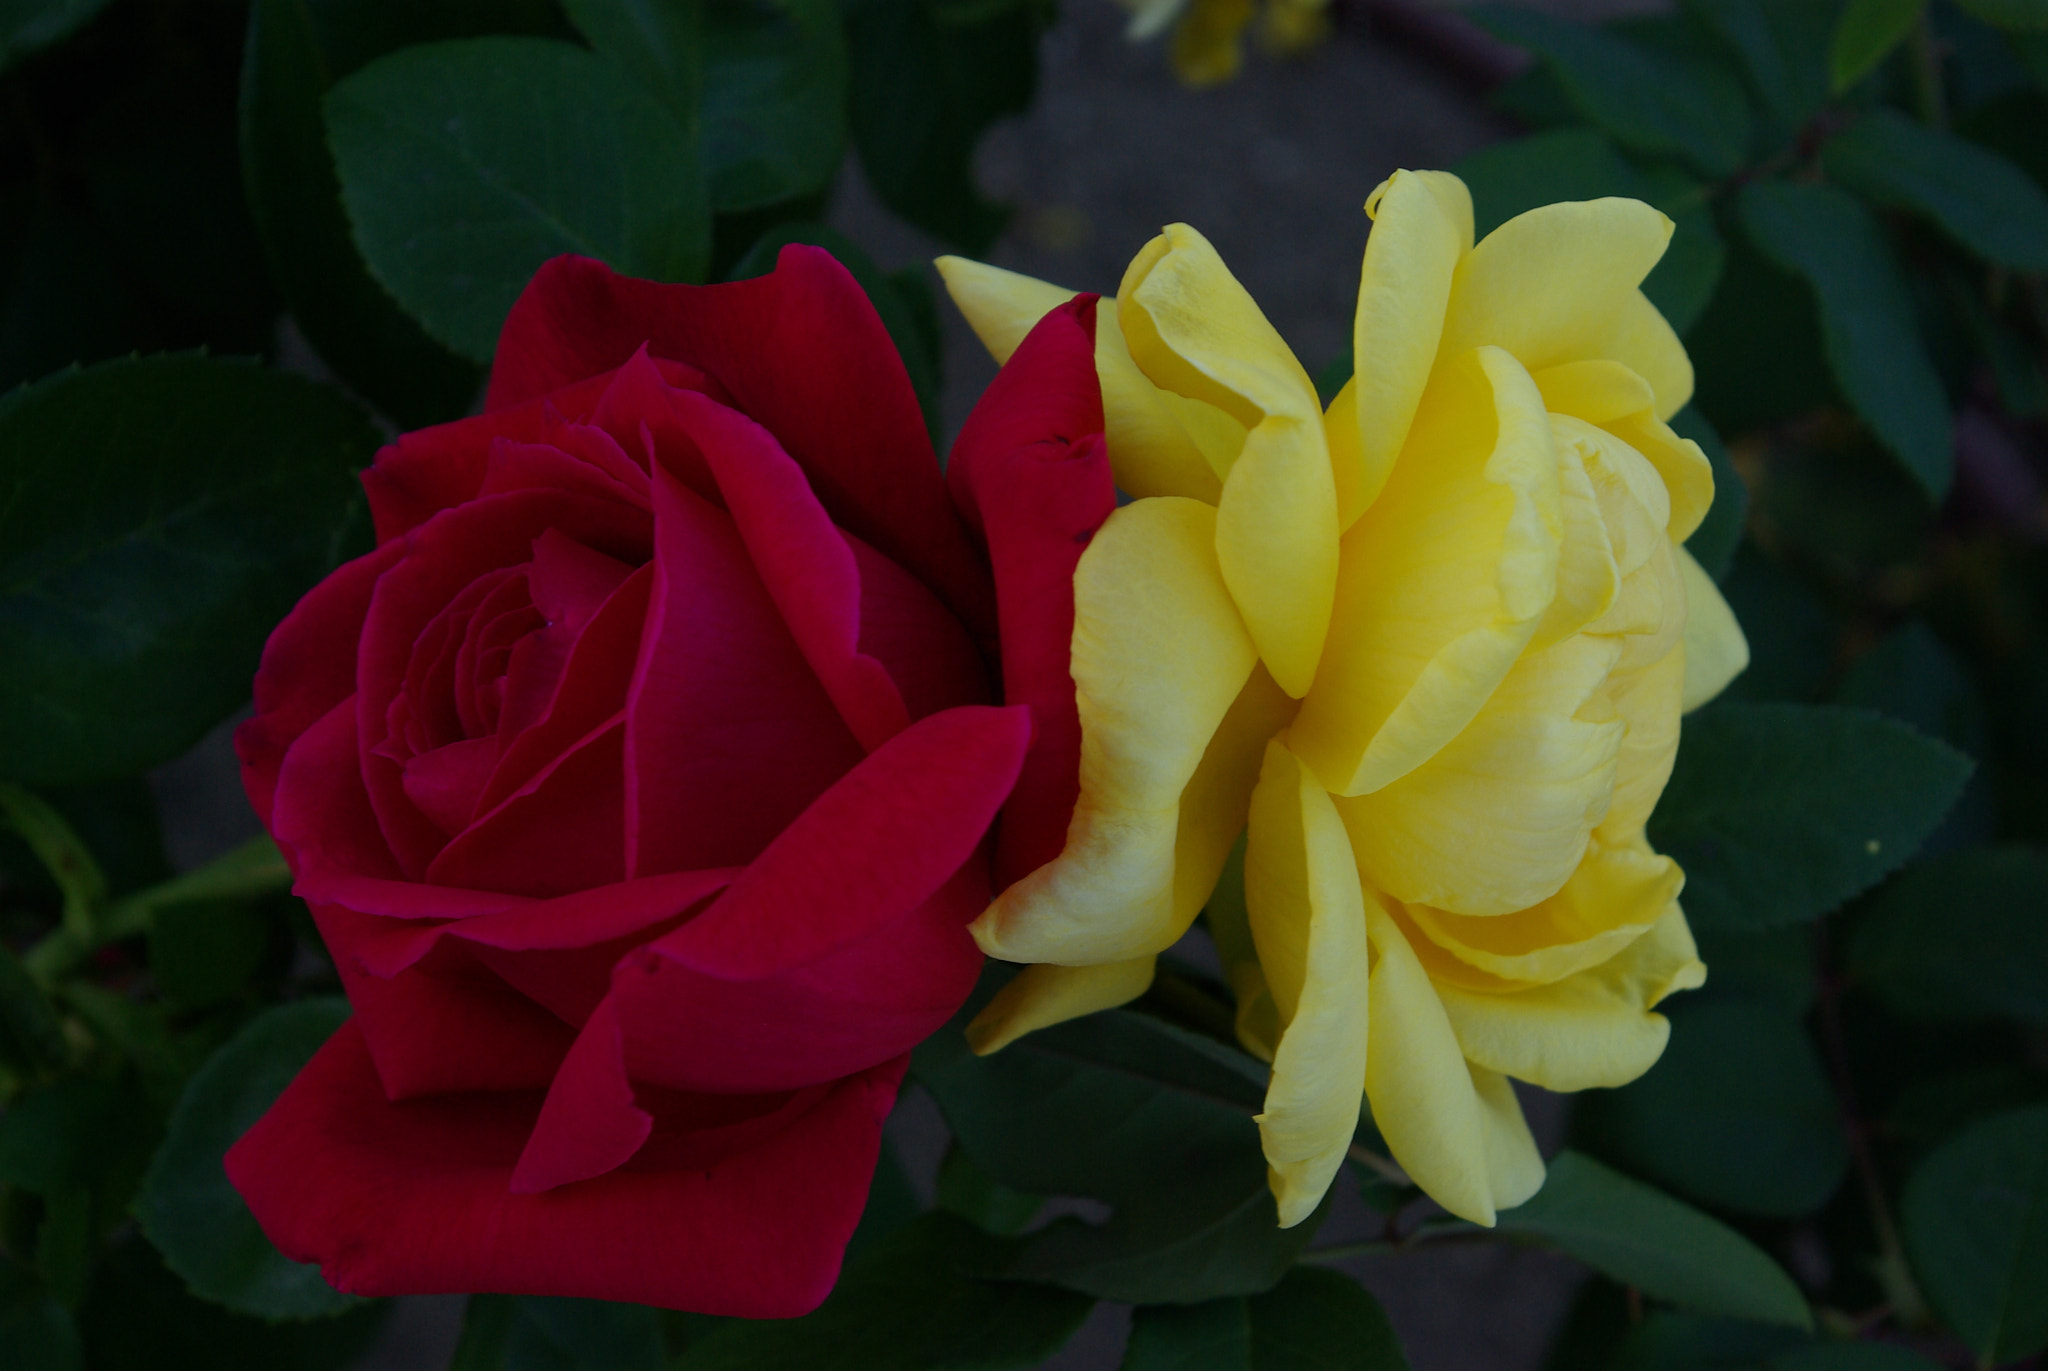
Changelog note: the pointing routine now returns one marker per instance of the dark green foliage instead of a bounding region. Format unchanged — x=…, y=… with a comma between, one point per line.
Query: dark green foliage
x=1778, y=813
x=1828, y=239
x=1646, y=99
x=1636, y=1235
x=1714, y=542
x=157, y=517
x=466, y=165
x=1981, y=200
x=188, y=1208
x=1736, y=1114
x=541, y=1333
x=930, y=1299
x=1154, y=1121
x=1961, y=937
x=1976, y=1220
x=1314, y=1320
x=928, y=79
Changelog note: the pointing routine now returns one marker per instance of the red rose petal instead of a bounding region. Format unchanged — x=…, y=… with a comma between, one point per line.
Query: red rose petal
x=802, y=352
x=845, y=941
x=415, y=1197
x=562, y=831
x=728, y=733
x=308, y=667
x=445, y=1023
x=1031, y=465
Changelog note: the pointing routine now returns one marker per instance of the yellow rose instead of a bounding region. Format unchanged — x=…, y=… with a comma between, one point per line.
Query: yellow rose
x=1427, y=651
x=1208, y=34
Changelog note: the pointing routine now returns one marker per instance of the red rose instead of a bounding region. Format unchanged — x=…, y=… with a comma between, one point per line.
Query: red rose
x=641, y=784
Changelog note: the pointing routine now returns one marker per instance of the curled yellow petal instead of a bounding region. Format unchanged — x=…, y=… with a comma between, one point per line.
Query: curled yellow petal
x=1422, y=228
x=1687, y=473
x=1609, y=902
x=1423, y=1096
x=1555, y=284
x=1594, y=1029
x=1442, y=583
x=1715, y=650
x=1159, y=444
x=1499, y=819
x=1307, y=916
x=1219, y=794
x=1159, y=657
x=1042, y=995
x=1646, y=701
x=1194, y=331
x=1229, y=922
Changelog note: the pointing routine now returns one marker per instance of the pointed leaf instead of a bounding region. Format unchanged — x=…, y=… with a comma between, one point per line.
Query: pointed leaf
x=1983, y=201
x=1976, y=1225
x=1865, y=35
x=1778, y=813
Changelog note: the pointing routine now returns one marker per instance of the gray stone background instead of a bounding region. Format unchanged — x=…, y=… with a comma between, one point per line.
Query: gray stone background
x=1274, y=169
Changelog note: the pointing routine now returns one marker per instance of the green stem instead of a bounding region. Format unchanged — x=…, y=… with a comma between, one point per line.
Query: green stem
x=255, y=868
x=1373, y=1161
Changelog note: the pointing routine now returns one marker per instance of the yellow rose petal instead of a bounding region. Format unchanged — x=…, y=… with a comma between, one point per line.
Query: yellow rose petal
x=1159, y=657
x=1591, y=1030
x=1193, y=330
x=1499, y=819
x=1307, y=917
x=1687, y=473
x=1514, y=1168
x=1042, y=995
x=1558, y=284
x=1423, y=1098
x=1422, y=228
x=1715, y=650
x=1442, y=583
x=1646, y=700
x=1609, y=902
x=1159, y=444
x=1206, y=50
x=1229, y=924
x=1588, y=577
x=1219, y=794
x=1641, y=339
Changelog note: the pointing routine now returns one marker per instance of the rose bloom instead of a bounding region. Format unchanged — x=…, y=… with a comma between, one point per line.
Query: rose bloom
x=641, y=781
x=1426, y=651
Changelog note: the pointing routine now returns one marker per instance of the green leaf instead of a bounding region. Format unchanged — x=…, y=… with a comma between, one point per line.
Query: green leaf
x=205, y=951
x=1865, y=35
x=1649, y=101
x=1666, y=1340
x=158, y=516
x=892, y=1202
x=965, y=1189
x=40, y=1336
x=140, y=1317
x=1125, y=1109
x=914, y=345
x=28, y=26
x=64, y=1244
x=31, y=1036
x=1741, y=384
x=1911, y=676
x=70, y=864
x=1783, y=45
x=659, y=43
x=1981, y=200
x=466, y=165
x=1778, y=813
x=930, y=1299
x=1510, y=178
x=1960, y=937
x=1873, y=344
x=1314, y=1320
x=1713, y=543
x=1976, y=1225
x=188, y=1208
x=1737, y=1113
x=775, y=99
x=2018, y=15
x=1639, y=1236
x=555, y=1333
x=292, y=56
x=925, y=86
x=69, y=1135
